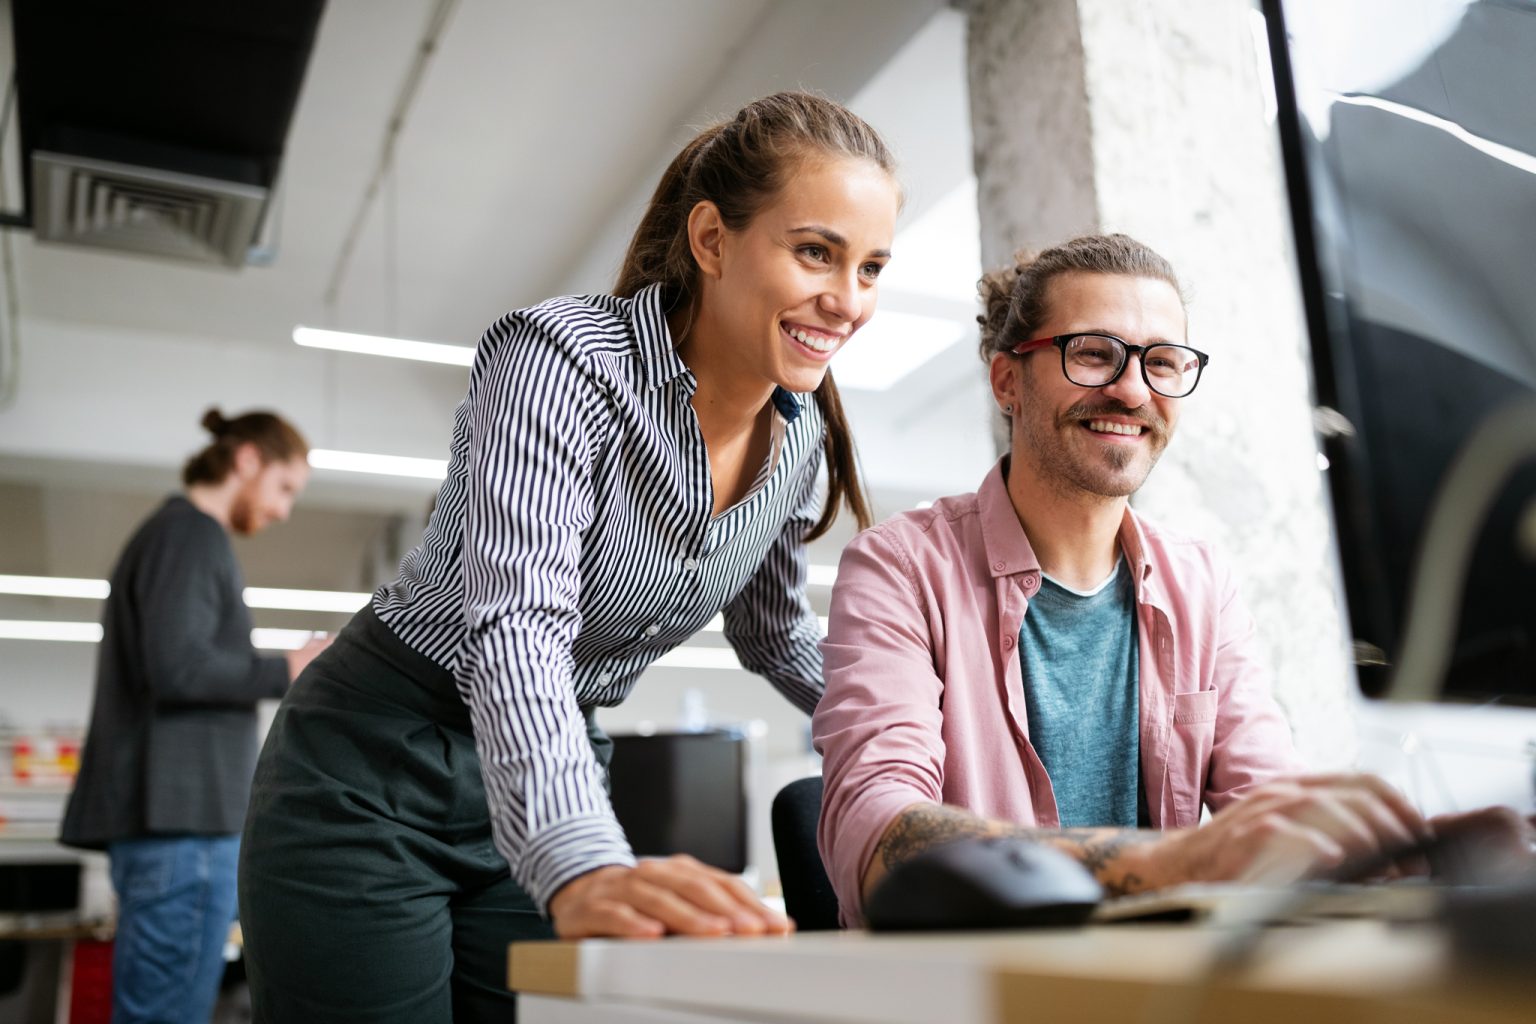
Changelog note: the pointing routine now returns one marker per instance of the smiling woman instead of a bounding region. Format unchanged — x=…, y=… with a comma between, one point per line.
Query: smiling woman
x=623, y=468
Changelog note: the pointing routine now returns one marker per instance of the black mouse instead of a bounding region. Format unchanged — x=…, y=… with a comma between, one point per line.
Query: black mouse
x=1000, y=882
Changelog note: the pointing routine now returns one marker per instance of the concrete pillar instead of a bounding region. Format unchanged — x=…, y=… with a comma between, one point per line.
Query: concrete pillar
x=1149, y=117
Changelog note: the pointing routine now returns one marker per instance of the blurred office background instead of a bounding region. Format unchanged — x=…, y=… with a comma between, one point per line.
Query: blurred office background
x=447, y=161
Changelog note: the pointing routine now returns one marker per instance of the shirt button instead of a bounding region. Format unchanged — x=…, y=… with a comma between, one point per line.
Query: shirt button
x=999, y=566
x=1007, y=643
x=605, y=679
x=1031, y=583
x=690, y=564
x=652, y=630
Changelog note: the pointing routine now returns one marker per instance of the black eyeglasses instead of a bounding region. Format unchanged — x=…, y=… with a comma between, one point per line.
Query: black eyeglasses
x=1098, y=360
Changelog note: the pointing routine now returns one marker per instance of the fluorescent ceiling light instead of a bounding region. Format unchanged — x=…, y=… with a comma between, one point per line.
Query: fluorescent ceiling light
x=891, y=346
x=54, y=586
x=377, y=345
x=90, y=633
x=255, y=597
x=382, y=465
x=280, y=639
x=305, y=600
x=67, y=632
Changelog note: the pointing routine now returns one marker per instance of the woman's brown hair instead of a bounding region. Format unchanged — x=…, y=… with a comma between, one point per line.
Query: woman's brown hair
x=740, y=165
x=274, y=437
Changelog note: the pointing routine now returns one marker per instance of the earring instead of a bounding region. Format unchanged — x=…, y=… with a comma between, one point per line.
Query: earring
x=1007, y=410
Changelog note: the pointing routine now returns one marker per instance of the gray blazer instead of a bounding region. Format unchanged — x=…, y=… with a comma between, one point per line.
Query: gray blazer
x=172, y=740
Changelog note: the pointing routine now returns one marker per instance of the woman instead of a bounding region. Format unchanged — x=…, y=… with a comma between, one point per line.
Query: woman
x=623, y=468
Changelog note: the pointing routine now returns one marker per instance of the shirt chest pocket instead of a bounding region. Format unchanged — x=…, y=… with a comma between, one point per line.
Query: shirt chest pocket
x=1189, y=752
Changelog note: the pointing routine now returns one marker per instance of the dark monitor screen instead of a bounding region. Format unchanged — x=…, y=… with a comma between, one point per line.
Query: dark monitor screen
x=683, y=792
x=1408, y=131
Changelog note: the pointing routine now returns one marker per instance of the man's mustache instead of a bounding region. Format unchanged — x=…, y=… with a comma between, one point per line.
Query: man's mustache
x=1084, y=411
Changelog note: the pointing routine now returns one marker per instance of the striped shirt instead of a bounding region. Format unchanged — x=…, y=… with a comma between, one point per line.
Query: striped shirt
x=574, y=542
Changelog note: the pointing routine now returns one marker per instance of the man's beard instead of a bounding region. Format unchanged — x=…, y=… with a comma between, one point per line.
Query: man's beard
x=1065, y=468
x=242, y=515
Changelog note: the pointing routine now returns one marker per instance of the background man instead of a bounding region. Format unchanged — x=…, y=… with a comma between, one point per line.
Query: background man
x=166, y=767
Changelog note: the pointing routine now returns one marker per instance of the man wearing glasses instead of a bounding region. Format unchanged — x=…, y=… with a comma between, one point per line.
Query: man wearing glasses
x=1037, y=658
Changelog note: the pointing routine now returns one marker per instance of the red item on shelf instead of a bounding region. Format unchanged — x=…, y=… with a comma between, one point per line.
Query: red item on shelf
x=21, y=759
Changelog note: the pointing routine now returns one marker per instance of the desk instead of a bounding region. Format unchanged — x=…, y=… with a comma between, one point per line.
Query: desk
x=1354, y=972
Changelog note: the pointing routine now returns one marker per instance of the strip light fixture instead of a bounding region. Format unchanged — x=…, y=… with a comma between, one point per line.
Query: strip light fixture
x=255, y=597
x=91, y=632
x=379, y=465
x=276, y=597
x=65, y=632
x=54, y=586
x=306, y=600
x=378, y=345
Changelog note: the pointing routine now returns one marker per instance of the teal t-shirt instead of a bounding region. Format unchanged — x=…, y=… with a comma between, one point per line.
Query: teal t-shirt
x=1079, y=655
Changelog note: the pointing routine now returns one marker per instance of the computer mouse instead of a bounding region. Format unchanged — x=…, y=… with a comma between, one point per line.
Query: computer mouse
x=996, y=882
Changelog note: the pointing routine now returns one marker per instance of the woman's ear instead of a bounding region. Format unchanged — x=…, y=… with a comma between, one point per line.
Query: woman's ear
x=706, y=235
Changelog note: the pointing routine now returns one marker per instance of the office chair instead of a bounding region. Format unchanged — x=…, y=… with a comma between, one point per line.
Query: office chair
x=808, y=895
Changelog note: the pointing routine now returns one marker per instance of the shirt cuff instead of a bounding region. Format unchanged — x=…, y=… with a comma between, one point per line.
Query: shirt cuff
x=568, y=849
x=855, y=839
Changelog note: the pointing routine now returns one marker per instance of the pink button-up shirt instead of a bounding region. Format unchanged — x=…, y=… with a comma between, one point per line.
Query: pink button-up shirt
x=925, y=694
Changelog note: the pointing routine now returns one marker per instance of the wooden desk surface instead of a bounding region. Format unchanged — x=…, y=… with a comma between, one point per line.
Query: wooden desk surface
x=1357, y=971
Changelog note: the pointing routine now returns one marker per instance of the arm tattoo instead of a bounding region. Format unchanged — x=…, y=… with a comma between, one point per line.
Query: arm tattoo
x=1099, y=849
x=930, y=825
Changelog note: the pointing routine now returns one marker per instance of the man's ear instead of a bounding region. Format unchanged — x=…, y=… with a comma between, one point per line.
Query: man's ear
x=248, y=461
x=706, y=237
x=1004, y=372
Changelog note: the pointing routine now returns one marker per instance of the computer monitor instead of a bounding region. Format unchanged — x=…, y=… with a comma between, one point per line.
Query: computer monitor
x=684, y=792
x=1408, y=132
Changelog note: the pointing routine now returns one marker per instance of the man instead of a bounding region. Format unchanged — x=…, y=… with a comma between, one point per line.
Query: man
x=166, y=767
x=1037, y=658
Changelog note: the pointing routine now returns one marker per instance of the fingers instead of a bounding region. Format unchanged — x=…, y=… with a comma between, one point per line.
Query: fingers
x=674, y=895
x=678, y=912
x=609, y=919
x=716, y=893
x=1385, y=795
x=1282, y=851
x=1344, y=825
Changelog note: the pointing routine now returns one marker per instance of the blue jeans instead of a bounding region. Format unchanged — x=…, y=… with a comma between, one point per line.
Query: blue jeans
x=176, y=901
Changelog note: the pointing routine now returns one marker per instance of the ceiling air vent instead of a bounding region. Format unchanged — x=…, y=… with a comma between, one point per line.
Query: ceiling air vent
x=81, y=201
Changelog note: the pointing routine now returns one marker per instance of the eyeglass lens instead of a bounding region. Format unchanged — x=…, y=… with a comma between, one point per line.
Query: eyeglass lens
x=1093, y=360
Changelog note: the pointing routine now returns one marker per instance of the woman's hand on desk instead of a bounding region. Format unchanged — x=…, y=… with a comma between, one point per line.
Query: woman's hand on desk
x=661, y=896
x=1299, y=828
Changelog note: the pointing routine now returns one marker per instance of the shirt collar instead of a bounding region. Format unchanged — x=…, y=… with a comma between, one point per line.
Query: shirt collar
x=659, y=355
x=1008, y=548
x=1133, y=542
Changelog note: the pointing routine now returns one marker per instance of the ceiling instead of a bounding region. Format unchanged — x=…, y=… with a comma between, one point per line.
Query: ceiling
x=525, y=154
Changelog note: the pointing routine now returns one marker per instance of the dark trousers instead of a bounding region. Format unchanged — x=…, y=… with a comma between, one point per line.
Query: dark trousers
x=369, y=886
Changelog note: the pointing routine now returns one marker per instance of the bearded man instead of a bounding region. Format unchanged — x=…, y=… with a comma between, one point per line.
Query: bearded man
x=1038, y=659
x=166, y=768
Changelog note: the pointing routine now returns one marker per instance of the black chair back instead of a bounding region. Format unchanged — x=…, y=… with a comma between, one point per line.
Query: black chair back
x=808, y=895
